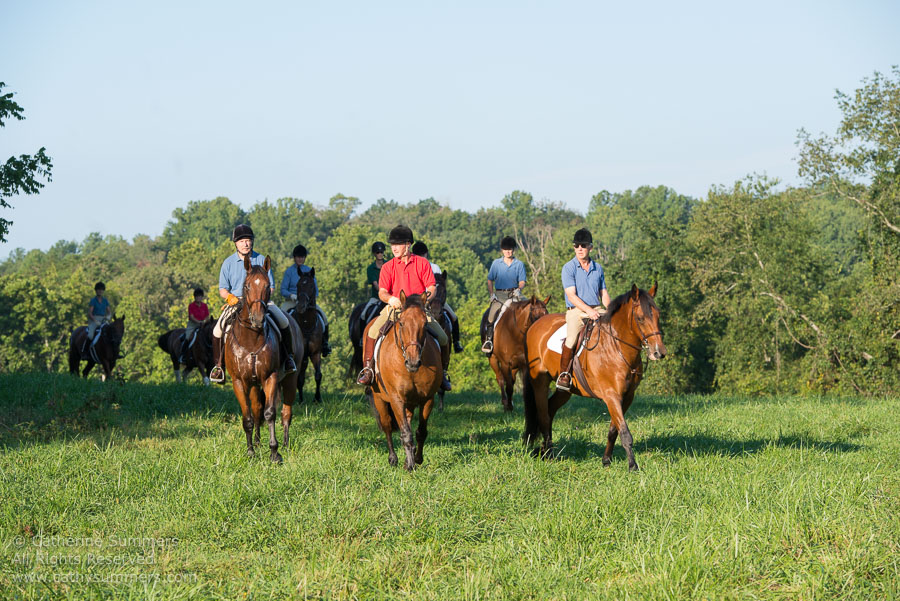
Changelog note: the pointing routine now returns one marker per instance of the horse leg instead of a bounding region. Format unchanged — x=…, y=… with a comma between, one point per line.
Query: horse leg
x=404, y=417
x=544, y=421
x=317, y=364
x=90, y=365
x=511, y=376
x=301, y=377
x=614, y=431
x=422, y=430
x=246, y=415
x=559, y=398
x=383, y=411
x=501, y=380
x=617, y=418
x=256, y=407
x=441, y=401
x=272, y=391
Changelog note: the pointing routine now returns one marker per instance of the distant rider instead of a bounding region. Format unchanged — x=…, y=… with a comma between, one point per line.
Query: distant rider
x=289, y=290
x=198, y=313
x=98, y=312
x=505, y=280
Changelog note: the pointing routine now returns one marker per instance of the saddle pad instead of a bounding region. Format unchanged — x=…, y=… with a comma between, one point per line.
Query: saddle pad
x=558, y=338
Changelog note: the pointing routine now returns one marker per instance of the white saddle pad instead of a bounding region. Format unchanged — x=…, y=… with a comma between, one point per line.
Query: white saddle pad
x=557, y=339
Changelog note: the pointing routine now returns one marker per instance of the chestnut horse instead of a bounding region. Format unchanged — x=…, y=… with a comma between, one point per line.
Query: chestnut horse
x=253, y=360
x=105, y=352
x=508, y=356
x=199, y=355
x=409, y=373
x=611, y=365
x=313, y=328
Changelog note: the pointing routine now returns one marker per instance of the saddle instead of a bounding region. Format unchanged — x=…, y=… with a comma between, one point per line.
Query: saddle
x=88, y=351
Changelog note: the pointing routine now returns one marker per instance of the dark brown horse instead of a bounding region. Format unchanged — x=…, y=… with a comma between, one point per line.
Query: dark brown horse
x=105, y=352
x=610, y=362
x=313, y=328
x=409, y=372
x=199, y=355
x=253, y=360
x=508, y=356
x=435, y=305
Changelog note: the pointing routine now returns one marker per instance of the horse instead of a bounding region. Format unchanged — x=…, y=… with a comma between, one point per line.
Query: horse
x=409, y=373
x=610, y=367
x=313, y=328
x=356, y=328
x=199, y=355
x=508, y=356
x=253, y=360
x=105, y=352
x=435, y=305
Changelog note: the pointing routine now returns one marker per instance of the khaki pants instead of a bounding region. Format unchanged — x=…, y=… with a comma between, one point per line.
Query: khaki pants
x=229, y=312
x=431, y=325
x=575, y=323
x=94, y=323
x=497, y=303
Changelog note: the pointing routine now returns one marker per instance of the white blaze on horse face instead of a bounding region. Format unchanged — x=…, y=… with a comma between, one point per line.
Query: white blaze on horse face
x=258, y=281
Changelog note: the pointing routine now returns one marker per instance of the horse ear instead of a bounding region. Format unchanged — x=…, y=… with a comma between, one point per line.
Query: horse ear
x=547, y=300
x=652, y=290
x=402, y=297
x=247, y=263
x=312, y=272
x=445, y=277
x=635, y=292
x=267, y=263
x=123, y=317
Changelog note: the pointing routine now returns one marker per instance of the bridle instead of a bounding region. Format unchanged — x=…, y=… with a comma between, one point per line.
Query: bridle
x=532, y=306
x=249, y=304
x=645, y=342
x=398, y=338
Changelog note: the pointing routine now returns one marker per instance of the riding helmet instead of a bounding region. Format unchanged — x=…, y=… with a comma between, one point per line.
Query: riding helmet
x=300, y=251
x=377, y=247
x=400, y=235
x=419, y=248
x=508, y=243
x=583, y=236
x=242, y=231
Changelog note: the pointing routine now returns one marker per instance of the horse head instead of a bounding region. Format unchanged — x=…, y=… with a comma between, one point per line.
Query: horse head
x=645, y=321
x=306, y=290
x=436, y=301
x=537, y=308
x=256, y=291
x=409, y=331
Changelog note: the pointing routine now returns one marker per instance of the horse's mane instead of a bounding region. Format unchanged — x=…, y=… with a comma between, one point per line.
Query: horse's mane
x=414, y=300
x=647, y=304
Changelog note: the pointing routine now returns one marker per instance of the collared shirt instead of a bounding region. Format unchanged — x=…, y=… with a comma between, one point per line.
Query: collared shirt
x=373, y=272
x=292, y=277
x=100, y=306
x=412, y=278
x=588, y=284
x=232, y=274
x=506, y=276
x=198, y=311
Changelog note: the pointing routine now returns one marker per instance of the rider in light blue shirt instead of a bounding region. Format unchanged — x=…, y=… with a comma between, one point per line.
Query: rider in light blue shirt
x=505, y=279
x=289, y=290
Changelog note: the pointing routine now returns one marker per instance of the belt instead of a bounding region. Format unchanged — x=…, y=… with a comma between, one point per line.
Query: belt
x=505, y=289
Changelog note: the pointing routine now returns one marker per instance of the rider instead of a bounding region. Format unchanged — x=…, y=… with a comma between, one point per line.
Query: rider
x=289, y=290
x=505, y=280
x=198, y=313
x=231, y=284
x=374, y=270
x=411, y=274
x=585, y=288
x=98, y=312
x=419, y=248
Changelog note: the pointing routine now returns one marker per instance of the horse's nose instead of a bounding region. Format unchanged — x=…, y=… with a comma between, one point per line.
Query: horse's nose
x=413, y=367
x=659, y=352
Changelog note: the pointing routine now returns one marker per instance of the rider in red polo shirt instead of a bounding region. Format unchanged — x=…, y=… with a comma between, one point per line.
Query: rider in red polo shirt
x=411, y=274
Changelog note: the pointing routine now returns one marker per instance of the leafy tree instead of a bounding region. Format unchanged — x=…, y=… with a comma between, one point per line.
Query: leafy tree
x=22, y=174
x=208, y=221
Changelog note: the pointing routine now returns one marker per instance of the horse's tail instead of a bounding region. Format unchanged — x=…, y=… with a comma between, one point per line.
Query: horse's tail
x=163, y=341
x=531, y=421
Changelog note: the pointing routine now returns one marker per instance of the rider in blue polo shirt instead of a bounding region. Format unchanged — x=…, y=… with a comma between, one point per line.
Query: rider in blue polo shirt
x=289, y=290
x=585, y=288
x=231, y=286
x=505, y=279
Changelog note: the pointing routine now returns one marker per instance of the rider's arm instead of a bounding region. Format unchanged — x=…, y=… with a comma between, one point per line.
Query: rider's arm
x=604, y=297
x=224, y=293
x=573, y=298
x=429, y=292
x=286, y=282
x=521, y=274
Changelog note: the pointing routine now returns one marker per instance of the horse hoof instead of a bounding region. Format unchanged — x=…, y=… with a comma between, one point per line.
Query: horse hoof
x=606, y=462
x=251, y=453
x=393, y=461
x=276, y=458
x=419, y=459
x=633, y=467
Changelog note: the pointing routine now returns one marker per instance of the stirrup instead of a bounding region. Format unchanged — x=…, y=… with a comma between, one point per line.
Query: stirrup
x=488, y=346
x=366, y=376
x=446, y=386
x=217, y=375
x=567, y=386
x=289, y=365
x=457, y=347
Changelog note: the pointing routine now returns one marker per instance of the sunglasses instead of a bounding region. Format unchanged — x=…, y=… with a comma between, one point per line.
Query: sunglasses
x=583, y=245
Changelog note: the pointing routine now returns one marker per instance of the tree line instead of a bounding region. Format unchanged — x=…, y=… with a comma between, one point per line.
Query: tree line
x=763, y=288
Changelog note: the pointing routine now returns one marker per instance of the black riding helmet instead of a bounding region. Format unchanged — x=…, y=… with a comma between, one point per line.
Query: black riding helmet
x=508, y=243
x=400, y=235
x=583, y=236
x=300, y=251
x=419, y=248
x=242, y=231
x=378, y=247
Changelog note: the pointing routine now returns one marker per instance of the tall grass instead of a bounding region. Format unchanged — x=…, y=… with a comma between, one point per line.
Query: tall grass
x=738, y=498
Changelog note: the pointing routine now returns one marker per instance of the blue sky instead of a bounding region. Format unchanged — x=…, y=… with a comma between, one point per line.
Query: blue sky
x=147, y=106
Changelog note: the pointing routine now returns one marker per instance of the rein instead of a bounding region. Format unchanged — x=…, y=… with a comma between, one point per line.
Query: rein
x=645, y=345
x=398, y=339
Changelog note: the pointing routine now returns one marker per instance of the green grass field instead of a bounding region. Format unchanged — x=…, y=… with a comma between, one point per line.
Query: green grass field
x=128, y=491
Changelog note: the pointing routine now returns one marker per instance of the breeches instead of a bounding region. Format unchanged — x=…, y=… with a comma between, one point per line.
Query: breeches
x=93, y=324
x=575, y=323
x=497, y=304
x=229, y=312
x=431, y=325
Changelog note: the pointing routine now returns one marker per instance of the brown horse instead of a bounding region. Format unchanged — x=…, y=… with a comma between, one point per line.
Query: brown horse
x=508, y=356
x=610, y=361
x=105, y=352
x=199, y=355
x=435, y=306
x=313, y=328
x=408, y=375
x=253, y=360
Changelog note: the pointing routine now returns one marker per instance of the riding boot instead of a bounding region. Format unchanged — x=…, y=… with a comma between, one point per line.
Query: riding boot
x=454, y=328
x=564, y=381
x=367, y=375
x=287, y=350
x=326, y=348
x=445, y=362
x=182, y=350
x=488, y=347
x=217, y=374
